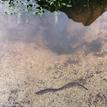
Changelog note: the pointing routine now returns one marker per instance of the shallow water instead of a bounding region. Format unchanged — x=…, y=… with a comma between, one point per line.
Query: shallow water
x=39, y=52
x=63, y=37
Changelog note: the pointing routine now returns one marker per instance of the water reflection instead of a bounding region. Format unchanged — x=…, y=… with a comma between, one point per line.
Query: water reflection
x=67, y=37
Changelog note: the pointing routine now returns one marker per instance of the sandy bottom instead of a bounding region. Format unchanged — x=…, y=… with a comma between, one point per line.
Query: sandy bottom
x=26, y=68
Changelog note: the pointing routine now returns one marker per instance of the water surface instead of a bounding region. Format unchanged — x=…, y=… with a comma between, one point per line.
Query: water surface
x=49, y=51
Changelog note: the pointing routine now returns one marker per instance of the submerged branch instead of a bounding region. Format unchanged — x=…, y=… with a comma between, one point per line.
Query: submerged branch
x=66, y=86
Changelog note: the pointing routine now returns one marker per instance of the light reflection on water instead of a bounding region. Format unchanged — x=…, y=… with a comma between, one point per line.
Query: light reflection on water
x=63, y=37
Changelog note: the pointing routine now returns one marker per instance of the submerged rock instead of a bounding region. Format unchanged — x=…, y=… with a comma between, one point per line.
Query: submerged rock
x=86, y=12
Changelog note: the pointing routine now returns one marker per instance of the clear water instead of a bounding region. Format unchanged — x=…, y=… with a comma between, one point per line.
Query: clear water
x=49, y=51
